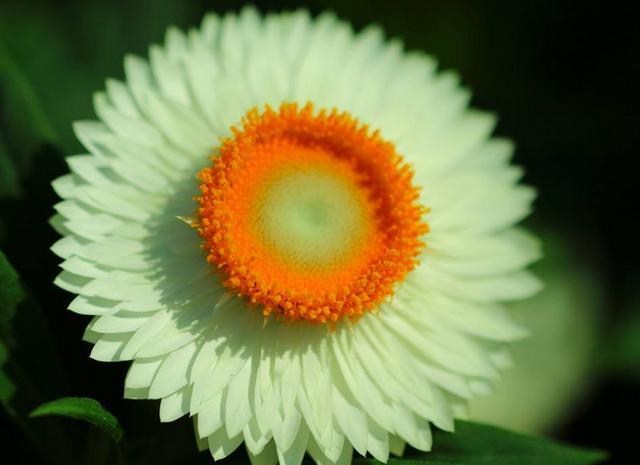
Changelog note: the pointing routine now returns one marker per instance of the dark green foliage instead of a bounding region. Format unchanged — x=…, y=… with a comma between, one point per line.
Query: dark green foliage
x=82, y=408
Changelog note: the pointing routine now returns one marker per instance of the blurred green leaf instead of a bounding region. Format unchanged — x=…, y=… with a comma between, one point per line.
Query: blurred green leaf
x=82, y=408
x=74, y=57
x=477, y=444
x=24, y=334
x=20, y=87
x=621, y=356
x=7, y=388
x=36, y=96
x=29, y=369
x=9, y=179
x=11, y=295
x=626, y=357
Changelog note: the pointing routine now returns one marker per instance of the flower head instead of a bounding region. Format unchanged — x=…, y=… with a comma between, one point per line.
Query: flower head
x=298, y=235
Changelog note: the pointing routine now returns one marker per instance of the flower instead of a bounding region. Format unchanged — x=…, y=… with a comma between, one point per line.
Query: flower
x=298, y=235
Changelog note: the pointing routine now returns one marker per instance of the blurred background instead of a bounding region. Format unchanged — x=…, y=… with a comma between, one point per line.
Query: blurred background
x=560, y=75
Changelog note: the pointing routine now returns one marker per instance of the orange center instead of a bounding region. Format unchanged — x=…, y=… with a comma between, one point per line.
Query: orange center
x=309, y=216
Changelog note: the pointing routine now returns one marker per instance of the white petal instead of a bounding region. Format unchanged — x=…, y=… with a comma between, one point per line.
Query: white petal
x=110, y=348
x=342, y=458
x=121, y=98
x=377, y=441
x=141, y=373
x=176, y=405
x=210, y=415
x=92, y=305
x=350, y=417
x=256, y=440
x=239, y=405
x=286, y=431
x=294, y=454
x=174, y=372
x=221, y=445
x=168, y=74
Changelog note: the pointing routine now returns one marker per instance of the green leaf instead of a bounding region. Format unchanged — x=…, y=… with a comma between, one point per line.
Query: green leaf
x=7, y=387
x=16, y=80
x=10, y=294
x=477, y=444
x=620, y=356
x=82, y=408
x=29, y=369
x=73, y=59
x=9, y=177
x=23, y=338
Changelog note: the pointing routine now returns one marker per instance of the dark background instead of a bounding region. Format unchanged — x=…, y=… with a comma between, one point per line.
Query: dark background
x=561, y=76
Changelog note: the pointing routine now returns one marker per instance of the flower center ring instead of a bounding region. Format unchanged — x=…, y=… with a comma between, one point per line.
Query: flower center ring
x=309, y=215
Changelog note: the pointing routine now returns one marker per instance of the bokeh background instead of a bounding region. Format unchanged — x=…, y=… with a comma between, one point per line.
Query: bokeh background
x=561, y=75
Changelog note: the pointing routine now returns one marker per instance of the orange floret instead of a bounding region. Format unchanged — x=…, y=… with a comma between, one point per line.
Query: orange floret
x=247, y=183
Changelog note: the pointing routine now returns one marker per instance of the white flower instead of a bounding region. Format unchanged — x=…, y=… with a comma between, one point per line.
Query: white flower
x=359, y=336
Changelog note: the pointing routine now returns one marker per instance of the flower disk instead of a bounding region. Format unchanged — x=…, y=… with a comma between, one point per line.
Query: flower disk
x=310, y=215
